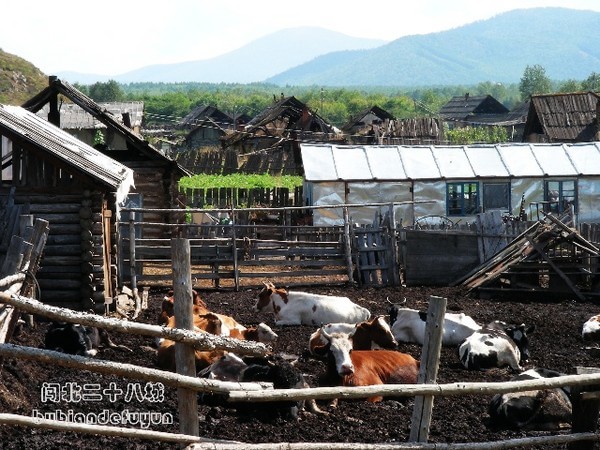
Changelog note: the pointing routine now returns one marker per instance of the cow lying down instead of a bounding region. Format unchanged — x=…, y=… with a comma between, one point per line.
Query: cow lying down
x=305, y=308
x=408, y=325
x=370, y=334
x=276, y=370
x=77, y=339
x=543, y=409
x=348, y=367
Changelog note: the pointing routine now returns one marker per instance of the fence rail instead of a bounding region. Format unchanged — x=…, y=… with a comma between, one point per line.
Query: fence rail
x=247, y=392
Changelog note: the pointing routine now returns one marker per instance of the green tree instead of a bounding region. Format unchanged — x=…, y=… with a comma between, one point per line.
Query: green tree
x=106, y=92
x=591, y=83
x=570, y=86
x=534, y=81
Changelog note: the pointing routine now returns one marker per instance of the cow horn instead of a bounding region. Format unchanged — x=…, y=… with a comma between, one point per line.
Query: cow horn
x=325, y=334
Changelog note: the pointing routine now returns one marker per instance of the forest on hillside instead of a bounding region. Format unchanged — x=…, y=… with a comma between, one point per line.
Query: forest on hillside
x=169, y=102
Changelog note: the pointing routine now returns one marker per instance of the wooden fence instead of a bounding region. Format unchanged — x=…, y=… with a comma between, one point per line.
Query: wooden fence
x=232, y=248
x=262, y=392
x=241, y=247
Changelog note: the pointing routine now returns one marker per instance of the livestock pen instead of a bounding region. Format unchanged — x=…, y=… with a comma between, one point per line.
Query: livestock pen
x=238, y=392
x=244, y=392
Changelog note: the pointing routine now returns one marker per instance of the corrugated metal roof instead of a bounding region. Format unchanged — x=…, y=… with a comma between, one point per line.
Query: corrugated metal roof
x=74, y=117
x=72, y=151
x=327, y=162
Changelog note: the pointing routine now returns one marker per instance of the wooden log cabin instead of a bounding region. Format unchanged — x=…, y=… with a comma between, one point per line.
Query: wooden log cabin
x=51, y=175
x=156, y=176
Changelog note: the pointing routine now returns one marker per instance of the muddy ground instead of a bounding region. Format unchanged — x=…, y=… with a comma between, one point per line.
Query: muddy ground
x=26, y=386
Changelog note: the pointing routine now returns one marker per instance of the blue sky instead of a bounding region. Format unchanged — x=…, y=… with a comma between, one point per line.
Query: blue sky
x=115, y=37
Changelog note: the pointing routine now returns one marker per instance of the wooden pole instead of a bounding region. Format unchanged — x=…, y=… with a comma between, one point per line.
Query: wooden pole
x=184, y=355
x=430, y=358
x=348, y=244
x=134, y=289
x=236, y=266
x=585, y=411
x=200, y=341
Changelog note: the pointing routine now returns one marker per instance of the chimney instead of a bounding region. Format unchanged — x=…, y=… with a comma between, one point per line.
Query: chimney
x=126, y=119
x=53, y=113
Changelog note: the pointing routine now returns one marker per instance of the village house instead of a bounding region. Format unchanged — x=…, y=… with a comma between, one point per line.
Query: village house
x=50, y=174
x=156, y=176
x=367, y=126
x=269, y=143
x=571, y=117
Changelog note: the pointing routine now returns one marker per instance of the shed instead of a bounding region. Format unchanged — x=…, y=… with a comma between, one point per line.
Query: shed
x=156, y=176
x=453, y=182
x=269, y=142
x=570, y=117
x=52, y=175
x=462, y=110
x=365, y=127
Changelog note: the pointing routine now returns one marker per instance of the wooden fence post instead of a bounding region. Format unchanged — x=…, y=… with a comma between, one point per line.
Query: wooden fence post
x=432, y=345
x=184, y=354
x=348, y=244
x=585, y=410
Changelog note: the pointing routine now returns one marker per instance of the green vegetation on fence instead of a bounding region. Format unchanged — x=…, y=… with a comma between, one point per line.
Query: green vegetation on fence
x=239, y=181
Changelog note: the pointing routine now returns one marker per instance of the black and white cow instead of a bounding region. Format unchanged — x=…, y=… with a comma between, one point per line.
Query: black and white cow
x=498, y=344
x=591, y=329
x=77, y=339
x=539, y=409
x=273, y=369
x=408, y=325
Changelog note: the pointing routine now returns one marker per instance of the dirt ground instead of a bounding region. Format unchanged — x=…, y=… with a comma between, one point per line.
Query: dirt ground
x=26, y=387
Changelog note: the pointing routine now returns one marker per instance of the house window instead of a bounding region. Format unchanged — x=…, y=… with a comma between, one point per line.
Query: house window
x=496, y=196
x=560, y=195
x=462, y=199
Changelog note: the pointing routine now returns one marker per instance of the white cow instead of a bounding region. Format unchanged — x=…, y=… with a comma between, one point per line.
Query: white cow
x=304, y=308
x=409, y=326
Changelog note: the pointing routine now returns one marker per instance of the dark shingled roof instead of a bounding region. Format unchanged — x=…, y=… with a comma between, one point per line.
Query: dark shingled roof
x=464, y=106
x=571, y=117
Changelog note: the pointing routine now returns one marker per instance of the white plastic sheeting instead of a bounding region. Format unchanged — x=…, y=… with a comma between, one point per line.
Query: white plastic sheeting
x=326, y=162
x=417, y=176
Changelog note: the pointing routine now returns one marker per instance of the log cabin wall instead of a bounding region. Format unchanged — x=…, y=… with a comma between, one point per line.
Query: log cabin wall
x=158, y=185
x=72, y=268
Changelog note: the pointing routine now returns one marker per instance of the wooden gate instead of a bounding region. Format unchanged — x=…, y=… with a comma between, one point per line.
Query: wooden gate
x=375, y=260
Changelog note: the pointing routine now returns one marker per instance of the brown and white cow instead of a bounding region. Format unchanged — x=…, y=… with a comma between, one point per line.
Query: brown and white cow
x=167, y=308
x=205, y=323
x=304, y=308
x=367, y=367
x=370, y=334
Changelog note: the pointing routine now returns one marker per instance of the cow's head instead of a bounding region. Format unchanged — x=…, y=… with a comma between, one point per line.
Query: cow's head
x=339, y=349
x=167, y=308
x=393, y=310
x=379, y=331
x=265, y=333
x=264, y=297
x=519, y=334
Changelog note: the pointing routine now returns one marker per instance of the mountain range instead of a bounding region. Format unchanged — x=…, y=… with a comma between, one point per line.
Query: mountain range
x=563, y=41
